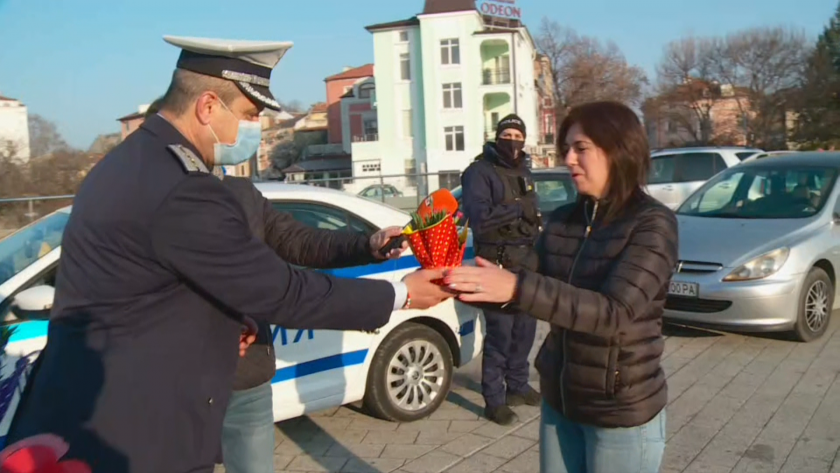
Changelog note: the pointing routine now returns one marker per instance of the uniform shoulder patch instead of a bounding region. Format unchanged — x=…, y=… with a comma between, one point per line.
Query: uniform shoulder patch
x=188, y=159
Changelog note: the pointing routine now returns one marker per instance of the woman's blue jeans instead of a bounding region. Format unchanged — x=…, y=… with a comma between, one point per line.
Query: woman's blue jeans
x=570, y=447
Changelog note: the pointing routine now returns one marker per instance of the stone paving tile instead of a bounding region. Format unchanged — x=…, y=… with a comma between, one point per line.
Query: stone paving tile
x=320, y=464
x=527, y=462
x=509, y=447
x=405, y=452
x=372, y=465
x=467, y=444
x=433, y=462
x=737, y=404
x=478, y=463
x=437, y=438
x=465, y=425
x=382, y=437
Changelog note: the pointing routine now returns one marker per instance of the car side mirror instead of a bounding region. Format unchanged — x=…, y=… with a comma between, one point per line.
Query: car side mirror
x=34, y=303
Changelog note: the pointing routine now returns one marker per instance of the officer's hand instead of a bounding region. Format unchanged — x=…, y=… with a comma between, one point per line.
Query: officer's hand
x=423, y=292
x=249, y=335
x=379, y=239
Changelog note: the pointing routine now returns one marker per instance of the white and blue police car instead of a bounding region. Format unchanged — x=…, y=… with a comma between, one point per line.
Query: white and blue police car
x=402, y=372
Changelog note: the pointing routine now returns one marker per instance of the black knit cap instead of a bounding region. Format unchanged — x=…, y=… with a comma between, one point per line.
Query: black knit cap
x=510, y=121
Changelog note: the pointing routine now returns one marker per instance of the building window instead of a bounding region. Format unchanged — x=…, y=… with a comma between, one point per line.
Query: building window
x=406, y=123
x=403, y=36
x=454, y=138
x=452, y=95
x=450, y=51
x=366, y=90
x=405, y=66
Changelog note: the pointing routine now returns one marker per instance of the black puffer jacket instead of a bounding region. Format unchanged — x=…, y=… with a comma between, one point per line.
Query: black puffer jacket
x=602, y=288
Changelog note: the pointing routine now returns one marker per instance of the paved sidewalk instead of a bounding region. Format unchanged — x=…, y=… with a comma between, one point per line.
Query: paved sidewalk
x=737, y=404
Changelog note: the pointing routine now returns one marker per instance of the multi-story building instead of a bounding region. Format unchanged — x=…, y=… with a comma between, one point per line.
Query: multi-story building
x=442, y=80
x=545, y=153
x=339, y=86
x=14, y=130
x=131, y=122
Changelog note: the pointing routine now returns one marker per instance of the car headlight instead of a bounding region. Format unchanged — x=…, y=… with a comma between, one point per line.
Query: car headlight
x=760, y=266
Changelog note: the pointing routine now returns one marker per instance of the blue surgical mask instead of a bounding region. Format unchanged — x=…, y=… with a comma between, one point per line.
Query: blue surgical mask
x=248, y=139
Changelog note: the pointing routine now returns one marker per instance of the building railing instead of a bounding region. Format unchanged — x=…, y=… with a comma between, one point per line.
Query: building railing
x=495, y=76
x=365, y=137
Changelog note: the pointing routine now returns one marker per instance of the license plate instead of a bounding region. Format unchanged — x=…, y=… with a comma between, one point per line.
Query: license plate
x=685, y=289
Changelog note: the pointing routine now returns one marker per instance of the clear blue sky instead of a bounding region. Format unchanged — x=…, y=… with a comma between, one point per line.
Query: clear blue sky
x=84, y=63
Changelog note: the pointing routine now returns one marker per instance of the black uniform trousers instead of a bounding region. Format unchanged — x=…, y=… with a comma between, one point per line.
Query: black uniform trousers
x=504, y=363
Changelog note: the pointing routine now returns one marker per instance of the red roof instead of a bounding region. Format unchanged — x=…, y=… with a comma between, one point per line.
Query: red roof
x=7, y=99
x=320, y=107
x=355, y=73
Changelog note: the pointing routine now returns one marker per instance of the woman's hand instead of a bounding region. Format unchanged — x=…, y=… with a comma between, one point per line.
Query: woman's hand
x=485, y=282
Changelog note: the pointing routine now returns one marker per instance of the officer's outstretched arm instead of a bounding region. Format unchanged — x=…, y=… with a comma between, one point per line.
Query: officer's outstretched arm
x=483, y=214
x=303, y=245
x=200, y=233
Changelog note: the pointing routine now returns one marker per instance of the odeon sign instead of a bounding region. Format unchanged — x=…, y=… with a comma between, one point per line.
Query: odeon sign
x=500, y=8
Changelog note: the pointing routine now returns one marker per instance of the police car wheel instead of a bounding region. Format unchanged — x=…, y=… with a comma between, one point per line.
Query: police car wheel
x=410, y=374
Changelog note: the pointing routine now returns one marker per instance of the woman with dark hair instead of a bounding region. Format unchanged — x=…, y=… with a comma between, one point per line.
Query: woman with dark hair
x=605, y=265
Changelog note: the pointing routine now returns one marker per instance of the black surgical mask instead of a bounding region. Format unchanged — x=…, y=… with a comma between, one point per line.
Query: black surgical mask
x=510, y=150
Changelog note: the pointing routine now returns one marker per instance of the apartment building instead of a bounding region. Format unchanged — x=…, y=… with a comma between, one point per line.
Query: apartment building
x=441, y=82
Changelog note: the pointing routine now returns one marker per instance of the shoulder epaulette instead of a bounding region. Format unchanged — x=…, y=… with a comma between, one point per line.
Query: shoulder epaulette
x=188, y=159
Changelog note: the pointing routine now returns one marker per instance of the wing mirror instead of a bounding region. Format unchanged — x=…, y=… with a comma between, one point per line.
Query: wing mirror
x=34, y=303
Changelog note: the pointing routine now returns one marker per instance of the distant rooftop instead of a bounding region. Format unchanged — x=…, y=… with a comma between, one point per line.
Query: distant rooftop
x=448, y=6
x=353, y=73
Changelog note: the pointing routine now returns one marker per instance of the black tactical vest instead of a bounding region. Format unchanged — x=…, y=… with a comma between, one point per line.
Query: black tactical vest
x=512, y=245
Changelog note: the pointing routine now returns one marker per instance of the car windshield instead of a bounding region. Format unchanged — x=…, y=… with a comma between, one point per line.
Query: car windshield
x=27, y=245
x=762, y=193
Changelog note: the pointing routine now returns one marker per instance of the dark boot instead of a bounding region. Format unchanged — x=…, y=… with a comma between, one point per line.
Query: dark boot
x=527, y=395
x=502, y=415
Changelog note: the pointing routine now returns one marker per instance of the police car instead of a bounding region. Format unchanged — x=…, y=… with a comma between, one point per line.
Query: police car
x=402, y=371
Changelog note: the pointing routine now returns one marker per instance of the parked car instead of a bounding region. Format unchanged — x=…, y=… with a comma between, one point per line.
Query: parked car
x=379, y=191
x=768, y=154
x=554, y=186
x=316, y=369
x=676, y=173
x=759, y=247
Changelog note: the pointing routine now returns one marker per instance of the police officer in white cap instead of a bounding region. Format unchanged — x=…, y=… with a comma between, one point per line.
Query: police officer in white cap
x=160, y=270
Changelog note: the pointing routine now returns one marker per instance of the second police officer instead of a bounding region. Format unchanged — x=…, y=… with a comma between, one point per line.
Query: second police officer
x=502, y=209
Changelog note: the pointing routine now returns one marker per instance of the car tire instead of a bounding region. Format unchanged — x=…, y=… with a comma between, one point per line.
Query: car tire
x=815, y=303
x=410, y=374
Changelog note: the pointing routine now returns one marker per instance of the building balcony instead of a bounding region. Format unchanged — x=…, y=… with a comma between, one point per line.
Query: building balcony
x=366, y=137
x=495, y=77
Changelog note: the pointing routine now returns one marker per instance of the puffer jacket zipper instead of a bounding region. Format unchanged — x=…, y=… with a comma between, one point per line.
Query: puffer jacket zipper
x=589, y=222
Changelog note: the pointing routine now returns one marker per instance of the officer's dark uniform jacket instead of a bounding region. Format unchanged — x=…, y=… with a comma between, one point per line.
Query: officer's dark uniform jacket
x=501, y=205
x=602, y=286
x=157, y=264
x=296, y=243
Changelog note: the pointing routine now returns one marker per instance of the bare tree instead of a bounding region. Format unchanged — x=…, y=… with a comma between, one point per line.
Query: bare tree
x=44, y=137
x=734, y=89
x=687, y=92
x=293, y=106
x=767, y=63
x=584, y=70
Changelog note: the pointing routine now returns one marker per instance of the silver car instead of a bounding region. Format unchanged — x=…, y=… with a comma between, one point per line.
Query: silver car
x=759, y=247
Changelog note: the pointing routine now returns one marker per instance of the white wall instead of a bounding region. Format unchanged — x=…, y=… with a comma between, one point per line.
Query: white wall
x=14, y=127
